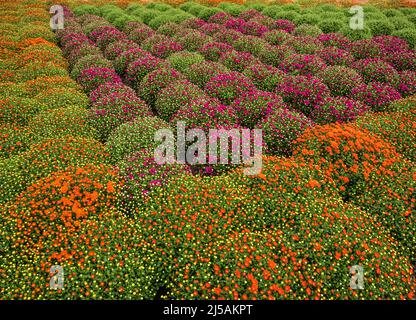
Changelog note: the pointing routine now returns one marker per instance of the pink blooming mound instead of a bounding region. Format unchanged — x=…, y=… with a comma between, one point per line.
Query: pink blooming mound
x=109, y=88
x=116, y=108
x=140, y=34
x=390, y=44
x=377, y=95
x=193, y=23
x=92, y=78
x=335, y=56
x=402, y=60
x=237, y=61
x=338, y=109
x=212, y=28
x=155, y=81
x=220, y=17
x=228, y=36
x=107, y=36
x=340, y=80
x=264, y=77
x=284, y=25
x=302, y=64
x=334, y=40
x=228, y=86
x=407, y=83
x=249, y=14
x=363, y=49
x=73, y=40
x=255, y=29
x=254, y=106
x=281, y=128
x=303, y=93
x=125, y=58
x=374, y=69
x=165, y=48
x=205, y=113
x=116, y=48
x=140, y=67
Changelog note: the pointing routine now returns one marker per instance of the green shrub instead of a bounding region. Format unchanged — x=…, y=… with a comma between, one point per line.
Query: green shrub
x=174, y=96
x=272, y=11
x=331, y=25
x=309, y=18
x=159, y=21
x=401, y=23
x=380, y=27
x=206, y=13
x=307, y=30
x=356, y=34
x=183, y=60
x=133, y=136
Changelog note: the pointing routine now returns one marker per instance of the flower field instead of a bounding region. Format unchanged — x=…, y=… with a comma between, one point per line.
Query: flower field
x=80, y=188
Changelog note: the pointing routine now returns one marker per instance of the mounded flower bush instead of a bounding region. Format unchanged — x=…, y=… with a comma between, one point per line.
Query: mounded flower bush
x=114, y=109
x=237, y=61
x=281, y=127
x=359, y=161
x=113, y=50
x=133, y=136
x=61, y=97
x=253, y=106
x=184, y=59
x=273, y=242
x=407, y=83
x=60, y=122
x=201, y=72
x=302, y=64
x=338, y=109
x=95, y=248
x=335, y=56
x=228, y=86
x=395, y=127
x=18, y=111
x=87, y=62
x=304, y=44
x=334, y=39
x=348, y=155
x=275, y=55
x=303, y=93
x=204, y=113
x=251, y=44
x=90, y=79
x=174, y=96
x=307, y=30
x=139, y=174
x=402, y=60
x=214, y=50
x=340, y=80
x=366, y=48
x=125, y=58
x=152, y=83
x=43, y=158
x=376, y=95
x=140, y=67
x=276, y=37
x=192, y=40
x=140, y=34
x=14, y=139
x=264, y=77
x=376, y=70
